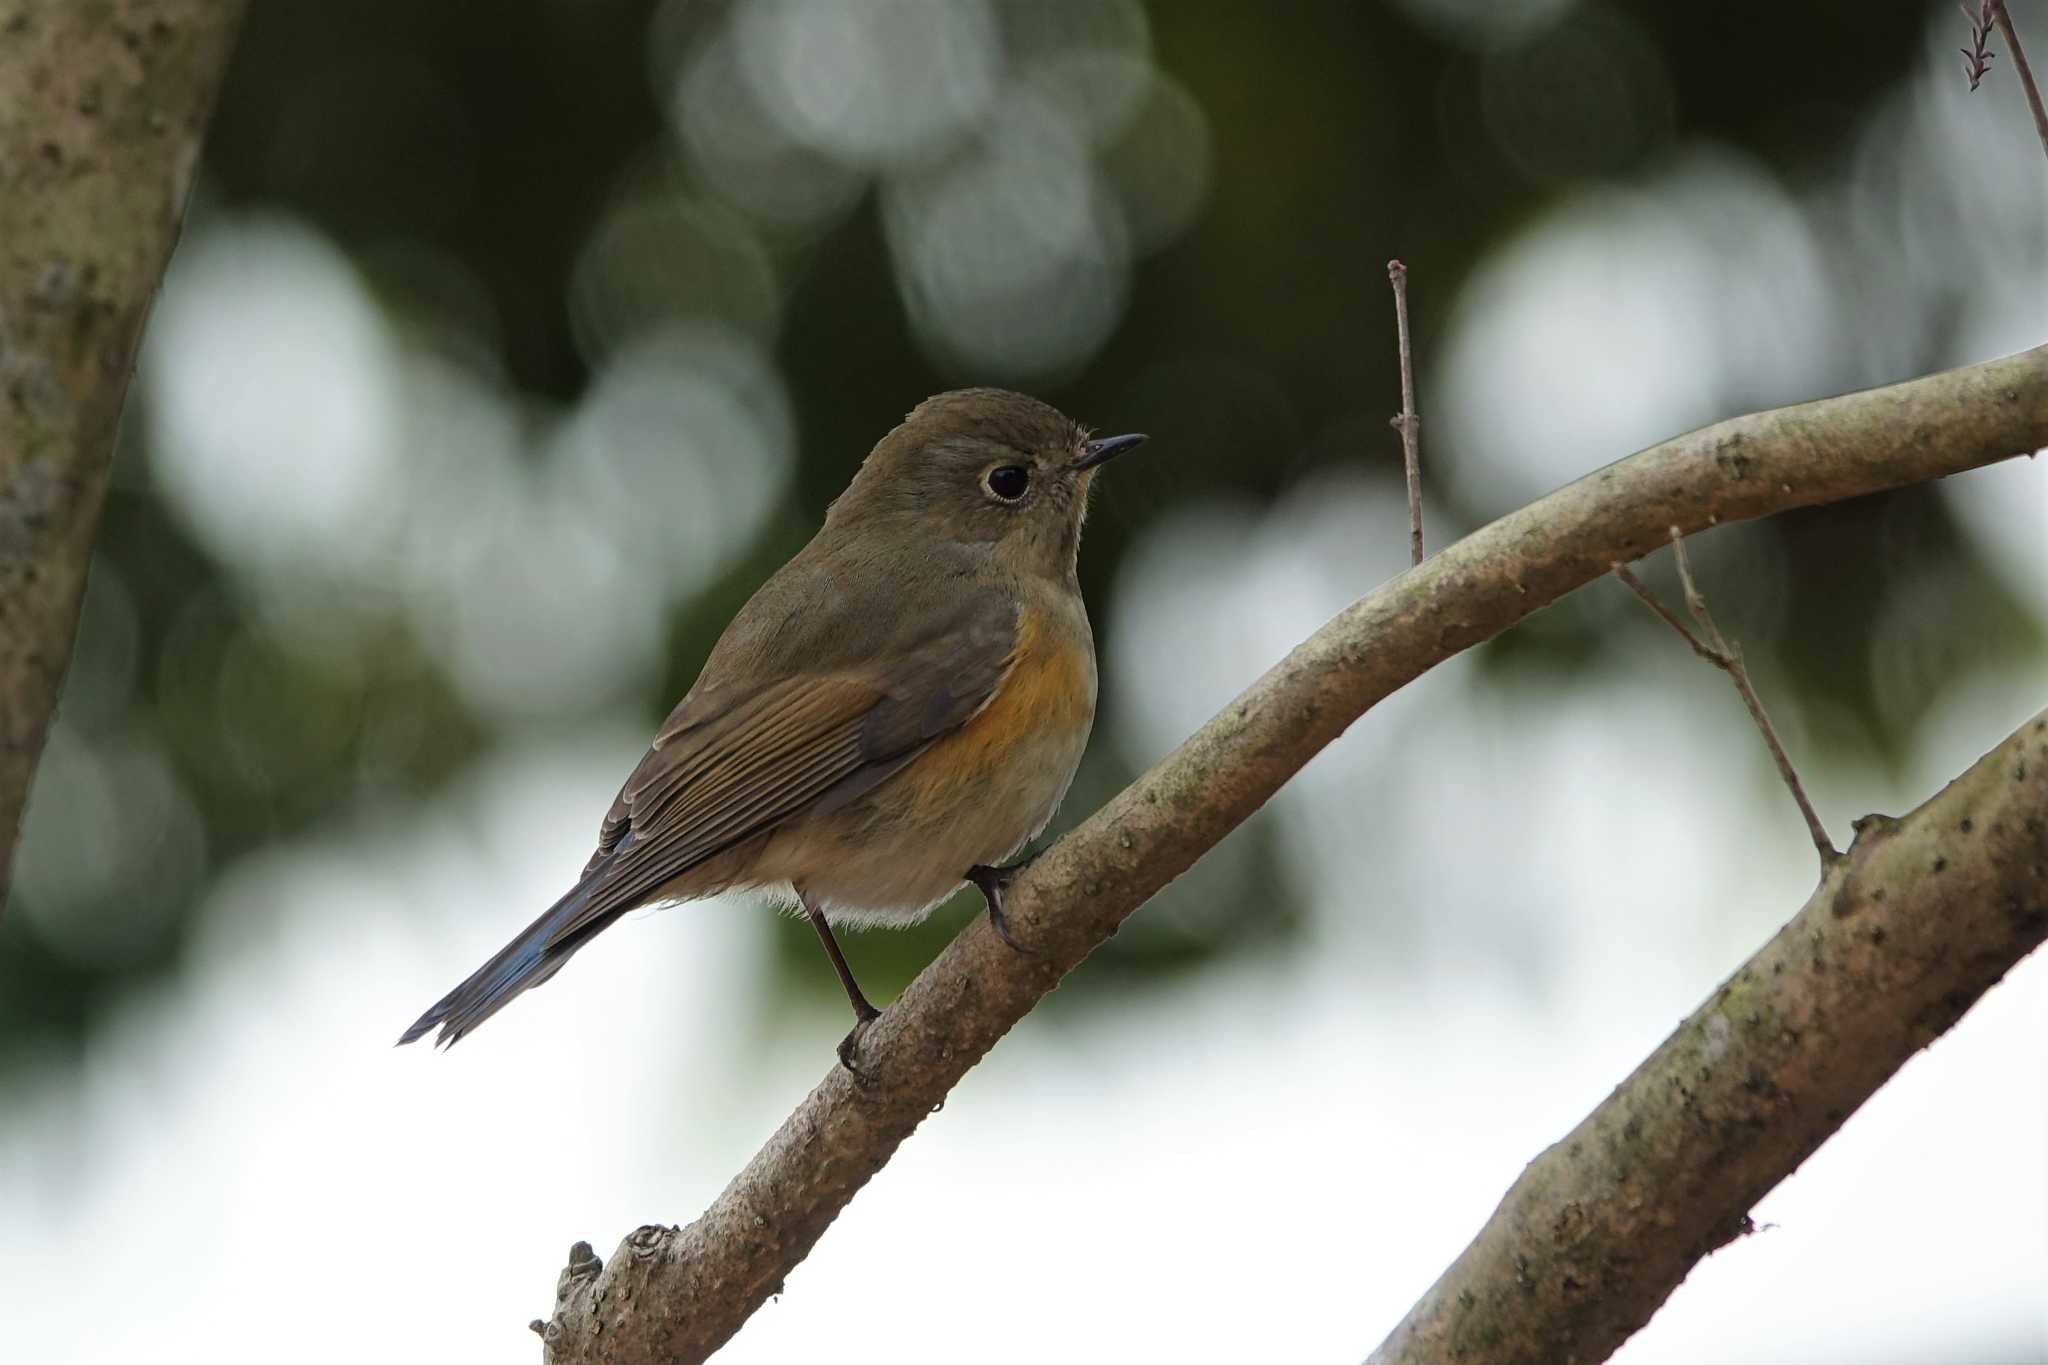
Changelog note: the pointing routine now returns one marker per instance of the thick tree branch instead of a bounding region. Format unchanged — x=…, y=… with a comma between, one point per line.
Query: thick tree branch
x=672, y=1294
x=102, y=107
x=1905, y=932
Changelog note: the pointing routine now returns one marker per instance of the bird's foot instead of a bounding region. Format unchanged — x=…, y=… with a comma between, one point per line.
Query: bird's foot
x=849, y=1046
x=992, y=882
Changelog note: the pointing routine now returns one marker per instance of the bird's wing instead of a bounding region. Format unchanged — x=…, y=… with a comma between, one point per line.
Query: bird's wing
x=726, y=767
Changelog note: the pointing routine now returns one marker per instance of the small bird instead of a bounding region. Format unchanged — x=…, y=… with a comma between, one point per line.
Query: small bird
x=898, y=710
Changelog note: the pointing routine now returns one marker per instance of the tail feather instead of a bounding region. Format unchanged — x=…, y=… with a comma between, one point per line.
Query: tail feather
x=523, y=963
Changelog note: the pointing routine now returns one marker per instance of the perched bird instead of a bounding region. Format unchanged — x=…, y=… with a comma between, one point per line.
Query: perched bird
x=896, y=711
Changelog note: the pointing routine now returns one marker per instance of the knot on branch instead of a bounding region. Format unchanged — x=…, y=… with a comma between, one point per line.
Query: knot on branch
x=583, y=1262
x=648, y=1242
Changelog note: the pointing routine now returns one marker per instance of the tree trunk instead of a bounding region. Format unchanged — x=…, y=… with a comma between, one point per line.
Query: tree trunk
x=102, y=107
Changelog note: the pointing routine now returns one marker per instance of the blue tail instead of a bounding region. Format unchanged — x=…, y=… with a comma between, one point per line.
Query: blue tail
x=524, y=962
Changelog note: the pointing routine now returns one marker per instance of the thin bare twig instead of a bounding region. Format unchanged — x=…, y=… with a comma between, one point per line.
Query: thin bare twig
x=2019, y=64
x=1716, y=649
x=1977, y=57
x=1668, y=616
x=1409, y=424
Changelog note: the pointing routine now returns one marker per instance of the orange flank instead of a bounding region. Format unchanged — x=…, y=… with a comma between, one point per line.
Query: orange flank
x=1045, y=691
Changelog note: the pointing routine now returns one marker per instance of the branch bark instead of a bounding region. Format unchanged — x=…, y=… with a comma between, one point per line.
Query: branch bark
x=102, y=109
x=676, y=1294
x=1920, y=918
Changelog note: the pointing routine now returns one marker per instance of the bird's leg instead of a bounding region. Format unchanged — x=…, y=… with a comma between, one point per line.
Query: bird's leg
x=863, y=1013
x=991, y=882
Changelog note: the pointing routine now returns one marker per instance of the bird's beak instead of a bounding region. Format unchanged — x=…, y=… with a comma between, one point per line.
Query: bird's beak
x=1105, y=449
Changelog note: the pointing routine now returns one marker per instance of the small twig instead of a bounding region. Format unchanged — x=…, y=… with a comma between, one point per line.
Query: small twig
x=1409, y=424
x=1977, y=57
x=1669, y=617
x=2019, y=64
x=1710, y=644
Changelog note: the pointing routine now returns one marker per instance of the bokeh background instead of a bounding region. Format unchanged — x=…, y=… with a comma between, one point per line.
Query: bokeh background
x=508, y=348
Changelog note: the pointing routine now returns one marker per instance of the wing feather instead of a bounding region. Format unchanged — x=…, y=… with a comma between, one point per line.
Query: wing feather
x=726, y=768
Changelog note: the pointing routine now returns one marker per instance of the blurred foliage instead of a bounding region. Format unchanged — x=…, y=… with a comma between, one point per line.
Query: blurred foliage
x=465, y=160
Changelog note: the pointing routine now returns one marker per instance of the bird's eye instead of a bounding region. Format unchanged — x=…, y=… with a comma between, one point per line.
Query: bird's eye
x=1008, y=482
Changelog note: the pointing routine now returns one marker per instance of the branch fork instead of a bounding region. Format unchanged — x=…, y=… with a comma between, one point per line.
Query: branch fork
x=1717, y=650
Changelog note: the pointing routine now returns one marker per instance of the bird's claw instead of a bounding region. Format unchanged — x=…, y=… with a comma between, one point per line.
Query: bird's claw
x=992, y=882
x=849, y=1046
